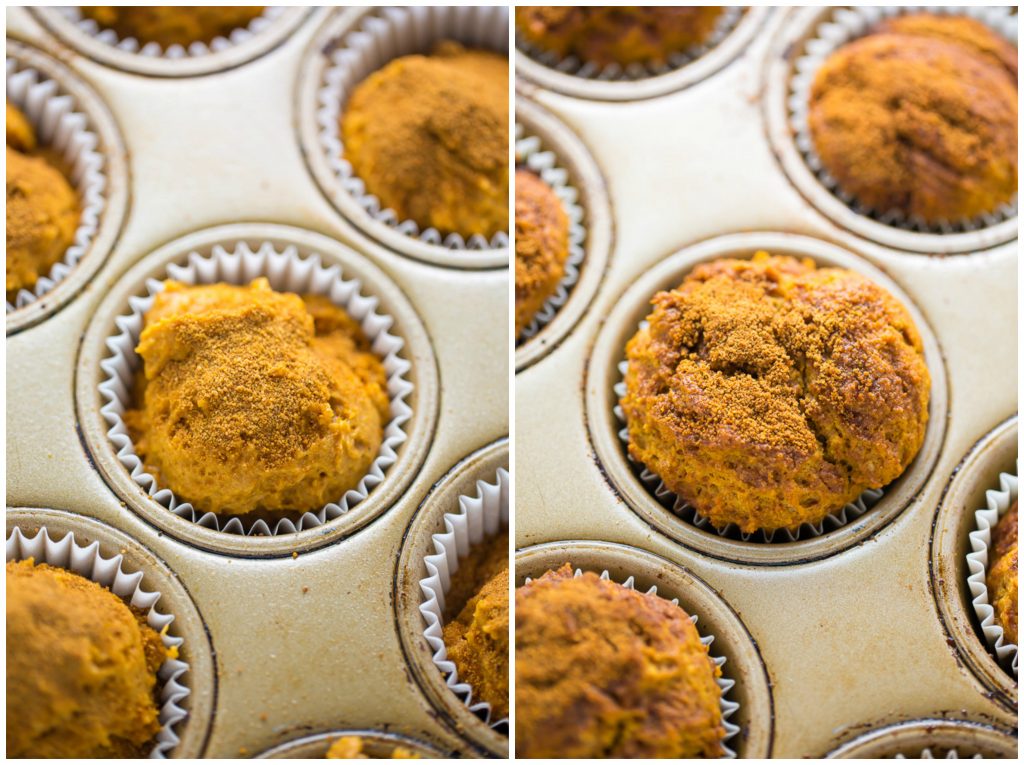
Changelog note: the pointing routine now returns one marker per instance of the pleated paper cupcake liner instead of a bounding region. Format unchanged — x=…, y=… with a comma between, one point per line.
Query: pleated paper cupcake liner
x=196, y=49
x=286, y=271
x=687, y=512
x=383, y=36
x=479, y=517
x=87, y=561
x=531, y=154
x=616, y=73
x=997, y=503
x=846, y=25
x=728, y=706
x=60, y=124
x=951, y=754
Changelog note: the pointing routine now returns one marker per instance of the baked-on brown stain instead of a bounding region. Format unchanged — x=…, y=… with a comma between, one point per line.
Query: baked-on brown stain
x=254, y=399
x=542, y=245
x=42, y=207
x=604, y=671
x=1002, y=573
x=81, y=668
x=616, y=34
x=428, y=136
x=769, y=393
x=169, y=25
x=920, y=117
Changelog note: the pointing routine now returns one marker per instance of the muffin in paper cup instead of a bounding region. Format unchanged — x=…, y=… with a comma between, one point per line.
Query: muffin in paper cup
x=728, y=706
x=531, y=155
x=950, y=754
x=845, y=25
x=382, y=36
x=61, y=125
x=479, y=517
x=87, y=561
x=286, y=271
x=997, y=503
x=615, y=73
x=684, y=510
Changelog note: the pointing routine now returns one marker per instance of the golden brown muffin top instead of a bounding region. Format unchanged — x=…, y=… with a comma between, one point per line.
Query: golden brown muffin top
x=773, y=378
x=1004, y=536
x=428, y=136
x=917, y=123
x=81, y=668
x=169, y=25
x=623, y=35
x=1002, y=573
x=964, y=30
x=20, y=135
x=542, y=245
x=605, y=671
x=351, y=748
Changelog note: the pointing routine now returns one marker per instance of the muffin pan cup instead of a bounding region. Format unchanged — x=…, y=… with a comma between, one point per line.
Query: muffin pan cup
x=377, y=744
x=930, y=740
x=186, y=685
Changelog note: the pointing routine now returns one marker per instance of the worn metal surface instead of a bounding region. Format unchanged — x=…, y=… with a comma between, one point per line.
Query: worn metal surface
x=301, y=644
x=852, y=640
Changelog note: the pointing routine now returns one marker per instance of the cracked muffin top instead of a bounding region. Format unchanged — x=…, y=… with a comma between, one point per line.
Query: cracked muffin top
x=769, y=393
x=616, y=34
x=542, y=246
x=604, y=671
x=169, y=25
x=920, y=117
x=1002, y=573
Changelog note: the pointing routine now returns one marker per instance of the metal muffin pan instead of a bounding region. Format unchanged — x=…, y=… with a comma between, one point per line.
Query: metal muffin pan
x=940, y=737
x=378, y=746
x=848, y=629
x=302, y=640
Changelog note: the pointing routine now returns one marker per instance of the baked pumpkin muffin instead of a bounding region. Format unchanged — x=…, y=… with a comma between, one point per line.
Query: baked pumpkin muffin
x=1002, y=573
x=603, y=671
x=42, y=207
x=768, y=393
x=168, y=25
x=428, y=136
x=477, y=638
x=622, y=35
x=255, y=400
x=351, y=748
x=81, y=668
x=542, y=246
x=920, y=117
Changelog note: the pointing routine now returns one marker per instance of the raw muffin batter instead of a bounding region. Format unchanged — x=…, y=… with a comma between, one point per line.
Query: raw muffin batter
x=542, y=246
x=255, y=399
x=42, y=208
x=603, y=671
x=769, y=393
x=81, y=668
x=351, y=748
x=1002, y=573
x=921, y=117
x=428, y=135
x=620, y=35
x=168, y=25
x=477, y=639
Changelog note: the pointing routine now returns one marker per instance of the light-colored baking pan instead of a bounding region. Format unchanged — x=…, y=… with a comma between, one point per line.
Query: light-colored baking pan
x=864, y=627
x=302, y=631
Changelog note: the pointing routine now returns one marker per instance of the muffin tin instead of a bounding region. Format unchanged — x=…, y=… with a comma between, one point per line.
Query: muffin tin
x=298, y=633
x=861, y=631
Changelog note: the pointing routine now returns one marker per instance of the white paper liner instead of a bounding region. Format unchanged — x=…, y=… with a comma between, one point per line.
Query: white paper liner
x=385, y=35
x=59, y=124
x=479, y=517
x=687, y=512
x=197, y=49
x=845, y=25
x=615, y=73
x=544, y=163
x=88, y=562
x=727, y=705
x=997, y=503
x=951, y=754
x=286, y=271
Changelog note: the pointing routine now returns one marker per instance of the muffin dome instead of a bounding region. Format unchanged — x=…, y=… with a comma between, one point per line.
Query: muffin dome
x=920, y=118
x=603, y=671
x=542, y=246
x=617, y=34
x=428, y=136
x=81, y=668
x=255, y=399
x=1002, y=573
x=768, y=393
x=168, y=25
